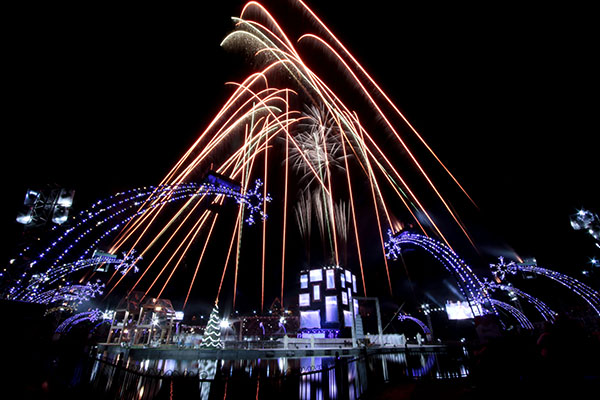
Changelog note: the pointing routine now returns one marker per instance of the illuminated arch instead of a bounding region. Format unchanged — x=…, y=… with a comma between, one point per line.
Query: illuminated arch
x=71, y=294
x=111, y=215
x=67, y=324
x=589, y=295
x=469, y=284
x=423, y=327
x=547, y=313
x=518, y=315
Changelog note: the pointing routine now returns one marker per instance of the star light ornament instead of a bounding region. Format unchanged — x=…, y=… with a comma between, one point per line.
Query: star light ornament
x=392, y=246
x=128, y=262
x=254, y=201
x=501, y=269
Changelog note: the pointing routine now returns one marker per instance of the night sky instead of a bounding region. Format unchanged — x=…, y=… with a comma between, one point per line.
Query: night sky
x=107, y=99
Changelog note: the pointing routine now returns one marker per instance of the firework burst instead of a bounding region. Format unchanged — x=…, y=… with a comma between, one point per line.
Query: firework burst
x=318, y=146
x=329, y=155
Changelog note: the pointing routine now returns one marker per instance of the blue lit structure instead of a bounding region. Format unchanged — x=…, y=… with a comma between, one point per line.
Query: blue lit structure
x=325, y=301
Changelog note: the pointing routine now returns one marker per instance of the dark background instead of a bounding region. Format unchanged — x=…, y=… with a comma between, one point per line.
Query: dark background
x=104, y=99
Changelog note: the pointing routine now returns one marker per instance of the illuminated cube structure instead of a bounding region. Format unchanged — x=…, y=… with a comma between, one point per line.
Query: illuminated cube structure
x=325, y=300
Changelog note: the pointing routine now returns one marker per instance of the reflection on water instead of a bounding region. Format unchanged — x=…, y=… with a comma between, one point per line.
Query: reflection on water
x=304, y=378
x=420, y=365
x=263, y=367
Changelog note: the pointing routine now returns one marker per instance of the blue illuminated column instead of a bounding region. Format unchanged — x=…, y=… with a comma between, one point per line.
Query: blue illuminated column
x=324, y=298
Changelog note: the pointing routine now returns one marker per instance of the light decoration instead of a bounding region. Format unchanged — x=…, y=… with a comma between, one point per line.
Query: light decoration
x=303, y=281
x=38, y=282
x=468, y=283
x=316, y=275
x=589, y=295
x=105, y=210
x=104, y=321
x=513, y=311
x=547, y=313
x=212, y=333
x=117, y=206
x=254, y=201
x=331, y=308
x=120, y=210
x=89, y=220
x=424, y=328
x=91, y=316
x=306, y=333
x=108, y=314
x=282, y=324
x=304, y=300
x=74, y=294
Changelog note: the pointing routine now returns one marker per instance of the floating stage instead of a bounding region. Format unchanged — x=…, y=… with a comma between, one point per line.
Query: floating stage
x=172, y=352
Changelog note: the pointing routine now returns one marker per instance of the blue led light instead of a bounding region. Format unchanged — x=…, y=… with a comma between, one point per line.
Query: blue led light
x=115, y=213
x=468, y=283
x=424, y=328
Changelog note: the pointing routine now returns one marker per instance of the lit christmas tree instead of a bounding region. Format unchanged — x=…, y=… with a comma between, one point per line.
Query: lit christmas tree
x=212, y=333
